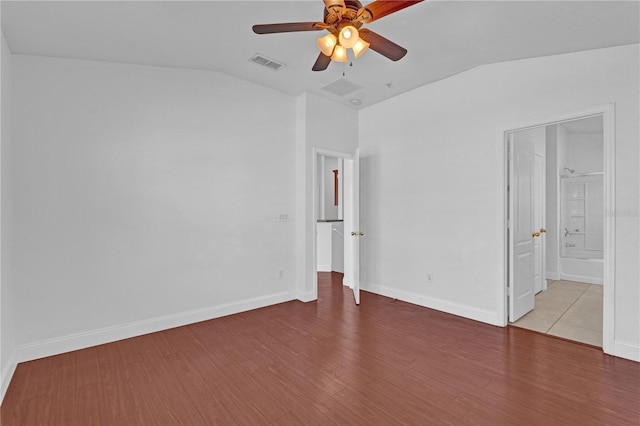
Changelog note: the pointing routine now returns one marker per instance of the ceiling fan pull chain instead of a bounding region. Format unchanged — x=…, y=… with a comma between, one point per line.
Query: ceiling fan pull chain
x=344, y=68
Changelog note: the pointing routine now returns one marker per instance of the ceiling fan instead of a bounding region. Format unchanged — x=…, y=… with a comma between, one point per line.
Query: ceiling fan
x=344, y=19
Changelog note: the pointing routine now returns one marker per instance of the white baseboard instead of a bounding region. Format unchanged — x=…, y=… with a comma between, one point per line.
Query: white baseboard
x=7, y=375
x=324, y=268
x=581, y=279
x=552, y=276
x=626, y=350
x=470, y=312
x=307, y=296
x=87, y=339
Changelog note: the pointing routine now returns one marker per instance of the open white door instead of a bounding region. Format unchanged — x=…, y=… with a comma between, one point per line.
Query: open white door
x=522, y=232
x=352, y=224
x=539, y=222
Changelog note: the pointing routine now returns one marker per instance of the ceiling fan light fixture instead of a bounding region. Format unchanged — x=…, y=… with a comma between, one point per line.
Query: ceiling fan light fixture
x=327, y=44
x=348, y=36
x=360, y=47
x=339, y=54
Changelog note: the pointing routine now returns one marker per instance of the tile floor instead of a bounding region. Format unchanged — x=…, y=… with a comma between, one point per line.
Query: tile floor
x=567, y=309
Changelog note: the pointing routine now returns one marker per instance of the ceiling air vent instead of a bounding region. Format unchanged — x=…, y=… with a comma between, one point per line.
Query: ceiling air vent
x=266, y=62
x=341, y=87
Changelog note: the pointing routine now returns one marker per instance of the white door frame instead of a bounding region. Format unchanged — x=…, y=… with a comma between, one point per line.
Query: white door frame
x=608, y=115
x=316, y=152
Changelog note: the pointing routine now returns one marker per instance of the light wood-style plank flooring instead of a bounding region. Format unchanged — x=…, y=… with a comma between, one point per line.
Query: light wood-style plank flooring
x=384, y=362
x=568, y=309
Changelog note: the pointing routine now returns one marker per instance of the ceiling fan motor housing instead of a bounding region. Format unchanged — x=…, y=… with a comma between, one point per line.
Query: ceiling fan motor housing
x=336, y=15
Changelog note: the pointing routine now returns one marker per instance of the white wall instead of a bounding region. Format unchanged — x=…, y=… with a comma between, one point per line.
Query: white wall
x=145, y=198
x=324, y=246
x=330, y=246
x=7, y=333
x=562, y=148
x=432, y=159
x=337, y=246
x=584, y=152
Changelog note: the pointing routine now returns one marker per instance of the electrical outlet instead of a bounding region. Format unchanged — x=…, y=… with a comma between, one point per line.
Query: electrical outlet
x=283, y=217
x=281, y=273
x=429, y=278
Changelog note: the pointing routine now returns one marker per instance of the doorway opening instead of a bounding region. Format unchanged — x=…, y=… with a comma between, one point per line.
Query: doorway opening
x=559, y=239
x=329, y=214
x=336, y=213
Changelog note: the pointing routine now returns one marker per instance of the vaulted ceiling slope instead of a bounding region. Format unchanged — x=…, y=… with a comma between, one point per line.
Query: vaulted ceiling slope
x=443, y=38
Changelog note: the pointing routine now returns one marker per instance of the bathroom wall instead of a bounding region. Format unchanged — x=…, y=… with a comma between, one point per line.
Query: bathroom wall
x=584, y=152
x=580, y=147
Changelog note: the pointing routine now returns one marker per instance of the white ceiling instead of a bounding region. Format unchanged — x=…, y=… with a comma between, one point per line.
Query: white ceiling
x=443, y=37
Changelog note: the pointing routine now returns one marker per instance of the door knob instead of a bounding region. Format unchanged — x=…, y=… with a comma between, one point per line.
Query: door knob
x=542, y=230
x=362, y=234
x=535, y=234
x=354, y=233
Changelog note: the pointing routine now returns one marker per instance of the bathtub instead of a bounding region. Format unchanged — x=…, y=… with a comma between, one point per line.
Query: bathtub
x=583, y=265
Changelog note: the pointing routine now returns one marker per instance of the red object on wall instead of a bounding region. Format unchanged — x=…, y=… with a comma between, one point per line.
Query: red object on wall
x=335, y=187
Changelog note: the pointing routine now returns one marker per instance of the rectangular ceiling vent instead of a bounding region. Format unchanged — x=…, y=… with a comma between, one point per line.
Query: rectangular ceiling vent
x=341, y=87
x=266, y=62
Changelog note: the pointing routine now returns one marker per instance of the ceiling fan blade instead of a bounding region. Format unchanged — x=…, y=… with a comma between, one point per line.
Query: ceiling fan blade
x=322, y=62
x=382, y=45
x=288, y=27
x=380, y=8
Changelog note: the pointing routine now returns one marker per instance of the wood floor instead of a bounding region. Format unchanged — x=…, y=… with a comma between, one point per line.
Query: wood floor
x=329, y=362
